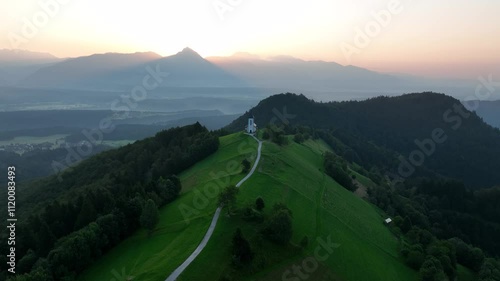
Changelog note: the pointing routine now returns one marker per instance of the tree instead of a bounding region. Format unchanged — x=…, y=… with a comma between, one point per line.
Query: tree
x=445, y=252
x=246, y=165
x=336, y=168
x=304, y=242
x=37, y=274
x=242, y=253
x=490, y=270
x=259, y=203
x=110, y=229
x=298, y=138
x=228, y=197
x=279, y=227
x=468, y=255
x=87, y=213
x=432, y=270
x=132, y=211
x=275, y=134
x=415, y=259
x=27, y=261
x=74, y=253
x=46, y=239
x=278, y=137
x=406, y=226
x=167, y=190
x=477, y=259
x=281, y=206
x=150, y=216
x=250, y=214
x=265, y=134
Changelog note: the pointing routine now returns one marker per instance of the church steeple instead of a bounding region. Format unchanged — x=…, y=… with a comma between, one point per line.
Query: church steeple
x=251, y=126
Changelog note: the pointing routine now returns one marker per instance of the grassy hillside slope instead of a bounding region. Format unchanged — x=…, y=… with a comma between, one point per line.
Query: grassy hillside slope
x=176, y=236
x=322, y=209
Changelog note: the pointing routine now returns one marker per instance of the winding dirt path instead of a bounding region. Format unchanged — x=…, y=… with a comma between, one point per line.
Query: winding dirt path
x=211, y=228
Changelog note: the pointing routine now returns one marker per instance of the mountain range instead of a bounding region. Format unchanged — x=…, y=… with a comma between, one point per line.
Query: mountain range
x=112, y=71
x=96, y=80
x=489, y=111
x=15, y=65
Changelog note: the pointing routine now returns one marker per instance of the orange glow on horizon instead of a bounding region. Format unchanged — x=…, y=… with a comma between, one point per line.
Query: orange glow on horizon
x=437, y=39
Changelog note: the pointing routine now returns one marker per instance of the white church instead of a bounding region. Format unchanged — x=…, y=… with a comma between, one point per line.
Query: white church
x=251, y=127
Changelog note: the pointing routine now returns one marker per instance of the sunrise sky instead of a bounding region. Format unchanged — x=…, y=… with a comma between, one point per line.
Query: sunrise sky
x=445, y=38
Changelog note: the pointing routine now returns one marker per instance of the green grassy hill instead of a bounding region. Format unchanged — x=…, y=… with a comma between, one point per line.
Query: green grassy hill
x=153, y=258
x=322, y=209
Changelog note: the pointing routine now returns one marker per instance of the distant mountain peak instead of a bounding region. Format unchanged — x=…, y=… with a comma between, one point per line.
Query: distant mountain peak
x=116, y=54
x=188, y=52
x=246, y=55
x=18, y=54
x=187, y=49
x=285, y=58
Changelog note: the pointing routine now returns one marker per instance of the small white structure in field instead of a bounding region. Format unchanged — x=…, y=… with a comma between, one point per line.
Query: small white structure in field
x=251, y=126
x=388, y=220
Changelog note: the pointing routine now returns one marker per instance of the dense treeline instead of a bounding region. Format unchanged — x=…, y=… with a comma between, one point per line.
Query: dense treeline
x=441, y=223
x=447, y=209
x=39, y=163
x=336, y=167
x=444, y=224
x=378, y=127
x=69, y=224
x=275, y=134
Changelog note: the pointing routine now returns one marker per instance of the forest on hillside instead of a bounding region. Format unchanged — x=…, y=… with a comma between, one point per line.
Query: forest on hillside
x=65, y=225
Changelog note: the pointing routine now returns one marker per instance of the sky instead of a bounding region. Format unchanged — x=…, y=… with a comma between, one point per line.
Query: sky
x=445, y=38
